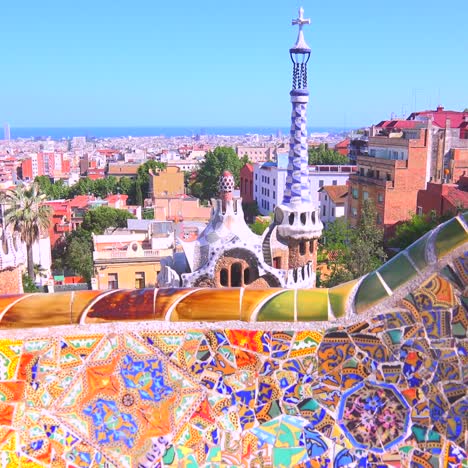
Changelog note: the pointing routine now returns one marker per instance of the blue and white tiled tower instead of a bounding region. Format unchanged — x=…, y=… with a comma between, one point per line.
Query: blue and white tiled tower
x=297, y=220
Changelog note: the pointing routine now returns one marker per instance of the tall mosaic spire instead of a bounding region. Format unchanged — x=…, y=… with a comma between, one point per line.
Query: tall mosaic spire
x=297, y=220
x=297, y=187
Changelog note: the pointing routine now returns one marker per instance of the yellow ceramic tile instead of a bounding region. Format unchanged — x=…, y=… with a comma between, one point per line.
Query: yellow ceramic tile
x=251, y=300
x=39, y=310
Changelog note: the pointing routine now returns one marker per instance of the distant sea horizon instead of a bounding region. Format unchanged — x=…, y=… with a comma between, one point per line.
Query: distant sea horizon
x=60, y=133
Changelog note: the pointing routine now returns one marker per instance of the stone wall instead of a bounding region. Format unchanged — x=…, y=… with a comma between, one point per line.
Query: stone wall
x=10, y=281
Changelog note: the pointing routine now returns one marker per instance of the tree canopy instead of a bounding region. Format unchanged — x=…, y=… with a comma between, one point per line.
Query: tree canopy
x=353, y=252
x=411, y=230
x=136, y=189
x=222, y=158
x=260, y=225
x=99, y=219
x=322, y=155
x=27, y=215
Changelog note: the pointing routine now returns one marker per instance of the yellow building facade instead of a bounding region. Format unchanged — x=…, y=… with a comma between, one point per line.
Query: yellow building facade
x=131, y=258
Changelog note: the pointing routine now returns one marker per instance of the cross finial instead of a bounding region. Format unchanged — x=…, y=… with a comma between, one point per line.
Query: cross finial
x=300, y=21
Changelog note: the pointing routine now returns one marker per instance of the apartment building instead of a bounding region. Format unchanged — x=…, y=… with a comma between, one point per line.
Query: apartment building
x=131, y=258
x=390, y=176
x=270, y=179
x=402, y=157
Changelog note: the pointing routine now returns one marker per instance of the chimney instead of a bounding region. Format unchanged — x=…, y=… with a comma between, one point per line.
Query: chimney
x=440, y=108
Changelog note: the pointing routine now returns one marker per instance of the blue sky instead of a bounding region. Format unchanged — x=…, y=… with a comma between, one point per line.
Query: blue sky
x=226, y=63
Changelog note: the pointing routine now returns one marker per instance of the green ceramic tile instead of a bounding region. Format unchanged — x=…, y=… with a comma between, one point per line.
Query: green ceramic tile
x=417, y=252
x=278, y=309
x=370, y=291
x=339, y=297
x=452, y=276
x=465, y=216
x=451, y=236
x=397, y=271
x=169, y=455
x=312, y=305
x=395, y=336
x=287, y=457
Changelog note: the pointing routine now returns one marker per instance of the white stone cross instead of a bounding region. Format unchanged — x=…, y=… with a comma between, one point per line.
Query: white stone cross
x=300, y=21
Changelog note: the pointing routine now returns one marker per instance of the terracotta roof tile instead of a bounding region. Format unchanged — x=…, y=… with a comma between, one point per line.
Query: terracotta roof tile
x=337, y=193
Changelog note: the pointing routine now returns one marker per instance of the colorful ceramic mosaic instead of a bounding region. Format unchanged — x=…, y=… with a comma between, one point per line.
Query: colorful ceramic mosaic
x=378, y=380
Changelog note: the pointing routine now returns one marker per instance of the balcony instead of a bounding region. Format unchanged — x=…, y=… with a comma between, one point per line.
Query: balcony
x=129, y=255
x=365, y=180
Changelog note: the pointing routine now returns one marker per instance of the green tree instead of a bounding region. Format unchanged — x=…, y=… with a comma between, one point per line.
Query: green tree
x=97, y=220
x=79, y=254
x=28, y=284
x=138, y=193
x=53, y=190
x=148, y=213
x=323, y=155
x=220, y=159
x=27, y=215
x=103, y=187
x=84, y=186
x=335, y=246
x=124, y=185
x=366, y=253
x=259, y=226
x=411, y=230
x=352, y=252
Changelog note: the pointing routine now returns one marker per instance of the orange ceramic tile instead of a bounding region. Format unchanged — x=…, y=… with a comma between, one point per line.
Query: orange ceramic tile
x=9, y=299
x=208, y=305
x=39, y=310
x=80, y=301
x=122, y=305
x=6, y=414
x=167, y=297
x=12, y=391
x=252, y=299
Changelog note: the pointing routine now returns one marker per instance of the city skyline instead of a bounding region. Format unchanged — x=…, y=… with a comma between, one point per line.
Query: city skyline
x=197, y=65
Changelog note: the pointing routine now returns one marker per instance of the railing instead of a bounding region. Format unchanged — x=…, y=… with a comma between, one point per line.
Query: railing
x=130, y=254
x=349, y=168
x=362, y=179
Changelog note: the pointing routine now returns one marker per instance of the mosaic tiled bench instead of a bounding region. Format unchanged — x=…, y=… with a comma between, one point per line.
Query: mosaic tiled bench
x=372, y=373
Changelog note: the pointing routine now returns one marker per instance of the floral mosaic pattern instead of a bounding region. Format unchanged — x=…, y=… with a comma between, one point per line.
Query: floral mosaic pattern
x=374, y=416
x=385, y=390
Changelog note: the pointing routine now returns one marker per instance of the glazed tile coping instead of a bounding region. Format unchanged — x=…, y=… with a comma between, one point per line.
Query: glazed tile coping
x=304, y=308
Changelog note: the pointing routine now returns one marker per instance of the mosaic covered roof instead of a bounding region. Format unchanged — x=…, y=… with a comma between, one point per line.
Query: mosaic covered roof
x=372, y=373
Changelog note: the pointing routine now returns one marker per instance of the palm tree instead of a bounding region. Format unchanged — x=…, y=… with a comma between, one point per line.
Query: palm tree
x=27, y=215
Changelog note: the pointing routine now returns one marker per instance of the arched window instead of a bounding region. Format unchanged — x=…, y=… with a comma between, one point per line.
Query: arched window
x=236, y=274
x=302, y=248
x=303, y=218
x=311, y=246
x=224, y=277
x=247, y=276
x=291, y=219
